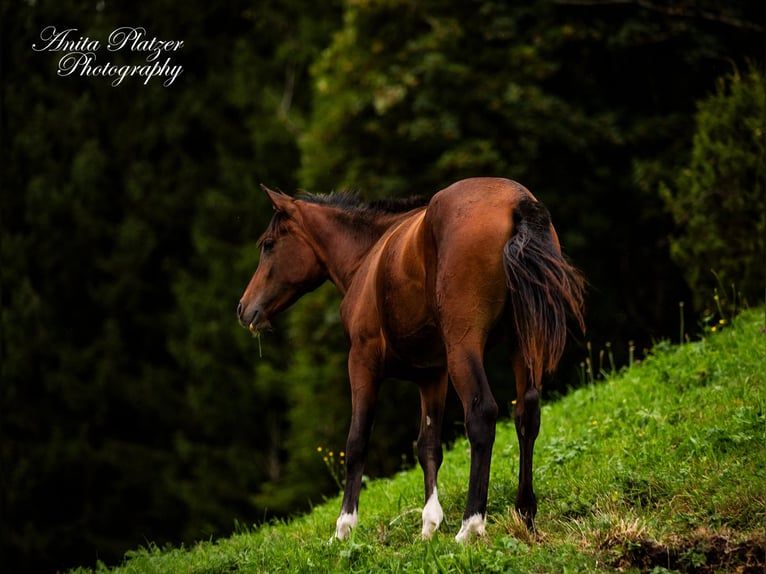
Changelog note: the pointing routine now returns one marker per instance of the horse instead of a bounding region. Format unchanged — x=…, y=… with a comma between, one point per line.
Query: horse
x=425, y=286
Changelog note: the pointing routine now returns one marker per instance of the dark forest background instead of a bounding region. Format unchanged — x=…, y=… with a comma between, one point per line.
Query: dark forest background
x=133, y=407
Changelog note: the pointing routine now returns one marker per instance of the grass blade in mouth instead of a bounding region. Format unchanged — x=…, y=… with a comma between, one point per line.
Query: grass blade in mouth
x=257, y=334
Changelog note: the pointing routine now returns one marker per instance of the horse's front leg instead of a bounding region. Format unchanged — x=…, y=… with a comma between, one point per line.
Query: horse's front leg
x=527, y=418
x=433, y=394
x=364, y=391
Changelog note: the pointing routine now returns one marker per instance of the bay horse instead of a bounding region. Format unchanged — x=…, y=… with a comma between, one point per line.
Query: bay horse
x=425, y=286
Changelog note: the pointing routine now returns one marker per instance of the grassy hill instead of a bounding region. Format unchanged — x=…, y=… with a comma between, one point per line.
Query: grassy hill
x=661, y=467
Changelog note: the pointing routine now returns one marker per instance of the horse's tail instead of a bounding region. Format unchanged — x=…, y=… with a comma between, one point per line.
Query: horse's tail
x=544, y=288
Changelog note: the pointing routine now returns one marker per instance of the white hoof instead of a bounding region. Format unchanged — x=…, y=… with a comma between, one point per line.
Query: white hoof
x=344, y=524
x=432, y=516
x=473, y=526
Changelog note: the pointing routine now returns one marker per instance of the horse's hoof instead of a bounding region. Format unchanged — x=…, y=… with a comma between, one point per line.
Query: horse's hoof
x=344, y=524
x=432, y=516
x=473, y=526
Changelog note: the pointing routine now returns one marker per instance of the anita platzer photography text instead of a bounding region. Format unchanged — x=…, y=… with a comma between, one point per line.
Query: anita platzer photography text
x=80, y=54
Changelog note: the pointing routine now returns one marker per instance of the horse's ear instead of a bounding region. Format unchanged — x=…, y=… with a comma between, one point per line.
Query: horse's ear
x=281, y=201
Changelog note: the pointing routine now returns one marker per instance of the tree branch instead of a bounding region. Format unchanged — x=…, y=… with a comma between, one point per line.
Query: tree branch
x=679, y=11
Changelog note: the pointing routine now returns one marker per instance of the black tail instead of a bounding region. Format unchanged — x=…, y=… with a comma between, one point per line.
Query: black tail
x=544, y=288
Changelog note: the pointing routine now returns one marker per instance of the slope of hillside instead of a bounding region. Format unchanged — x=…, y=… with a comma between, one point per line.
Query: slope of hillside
x=661, y=467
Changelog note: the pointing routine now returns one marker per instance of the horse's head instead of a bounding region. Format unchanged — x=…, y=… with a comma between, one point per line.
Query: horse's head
x=288, y=268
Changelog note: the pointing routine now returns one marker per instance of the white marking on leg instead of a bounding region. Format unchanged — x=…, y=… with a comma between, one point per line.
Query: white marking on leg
x=344, y=524
x=432, y=516
x=472, y=526
x=428, y=421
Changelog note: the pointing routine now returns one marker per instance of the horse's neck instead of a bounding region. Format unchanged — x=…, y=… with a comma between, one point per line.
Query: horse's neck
x=342, y=245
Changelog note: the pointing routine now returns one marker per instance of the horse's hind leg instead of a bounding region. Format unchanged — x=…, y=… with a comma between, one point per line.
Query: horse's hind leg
x=468, y=295
x=433, y=393
x=527, y=418
x=480, y=409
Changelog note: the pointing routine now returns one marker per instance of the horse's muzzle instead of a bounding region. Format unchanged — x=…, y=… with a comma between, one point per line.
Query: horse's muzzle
x=246, y=316
x=254, y=320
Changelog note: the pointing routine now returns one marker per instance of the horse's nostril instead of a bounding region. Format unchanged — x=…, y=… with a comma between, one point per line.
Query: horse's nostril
x=240, y=309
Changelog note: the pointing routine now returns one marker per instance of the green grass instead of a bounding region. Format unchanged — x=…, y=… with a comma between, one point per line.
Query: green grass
x=659, y=468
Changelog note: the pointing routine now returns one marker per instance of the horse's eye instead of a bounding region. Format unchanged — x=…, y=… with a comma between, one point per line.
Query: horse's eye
x=268, y=244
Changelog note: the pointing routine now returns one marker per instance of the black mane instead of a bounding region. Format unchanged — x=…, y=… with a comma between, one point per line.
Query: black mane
x=350, y=201
x=355, y=210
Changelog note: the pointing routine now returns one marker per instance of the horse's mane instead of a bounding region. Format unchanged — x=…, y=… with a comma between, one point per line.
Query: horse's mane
x=352, y=202
x=358, y=211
